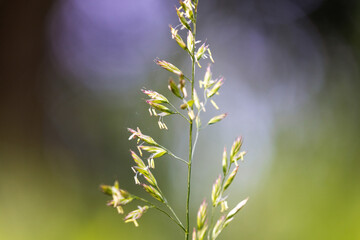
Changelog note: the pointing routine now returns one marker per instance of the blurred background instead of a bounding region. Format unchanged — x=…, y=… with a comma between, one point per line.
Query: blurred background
x=71, y=73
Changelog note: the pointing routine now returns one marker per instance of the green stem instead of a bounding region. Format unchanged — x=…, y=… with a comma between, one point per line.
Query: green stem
x=190, y=138
x=188, y=186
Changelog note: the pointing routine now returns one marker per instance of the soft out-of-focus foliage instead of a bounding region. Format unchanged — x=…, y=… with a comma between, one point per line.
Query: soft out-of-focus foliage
x=291, y=72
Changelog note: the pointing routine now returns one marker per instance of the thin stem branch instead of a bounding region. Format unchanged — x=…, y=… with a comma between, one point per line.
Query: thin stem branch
x=168, y=206
x=187, y=77
x=173, y=155
x=182, y=115
x=195, y=141
x=198, y=128
x=173, y=212
x=157, y=208
x=177, y=112
x=178, y=158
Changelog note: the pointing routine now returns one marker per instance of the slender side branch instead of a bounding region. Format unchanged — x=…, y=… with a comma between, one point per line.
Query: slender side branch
x=169, y=207
x=176, y=157
x=188, y=78
x=177, y=112
x=173, y=155
x=159, y=209
x=195, y=141
x=198, y=129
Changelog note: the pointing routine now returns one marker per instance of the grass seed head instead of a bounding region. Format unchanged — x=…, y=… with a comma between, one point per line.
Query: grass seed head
x=194, y=235
x=135, y=215
x=182, y=19
x=155, y=96
x=217, y=118
x=190, y=42
x=235, y=149
x=216, y=192
x=236, y=209
x=174, y=88
x=153, y=192
x=178, y=39
x=141, y=136
x=168, y=66
x=215, y=88
x=201, y=215
x=219, y=226
x=224, y=162
x=231, y=178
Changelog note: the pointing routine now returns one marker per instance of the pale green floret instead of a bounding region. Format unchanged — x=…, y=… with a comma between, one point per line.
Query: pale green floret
x=235, y=210
x=178, y=39
x=201, y=215
x=156, y=97
x=194, y=235
x=210, y=55
x=138, y=160
x=201, y=233
x=141, y=136
x=156, y=151
x=217, y=119
x=187, y=6
x=187, y=104
x=191, y=114
x=215, y=88
x=216, y=192
x=235, y=149
x=135, y=215
x=153, y=192
x=196, y=100
x=168, y=66
x=219, y=226
x=214, y=104
x=224, y=162
x=207, y=78
x=159, y=107
x=231, y=178
x=190, y=41
x=149, y=177
x=174, y=89
x=120, y=197
x=224, y=206
x=182, y=19
x=200, y=51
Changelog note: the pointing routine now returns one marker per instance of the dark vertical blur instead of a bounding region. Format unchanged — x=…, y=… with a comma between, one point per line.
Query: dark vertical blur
x=22, y=47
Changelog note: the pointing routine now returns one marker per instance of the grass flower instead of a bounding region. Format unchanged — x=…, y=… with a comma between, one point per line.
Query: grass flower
x=192, y=103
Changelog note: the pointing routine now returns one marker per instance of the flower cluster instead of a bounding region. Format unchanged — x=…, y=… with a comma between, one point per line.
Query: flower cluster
x=120, y=197
x=189, y=107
